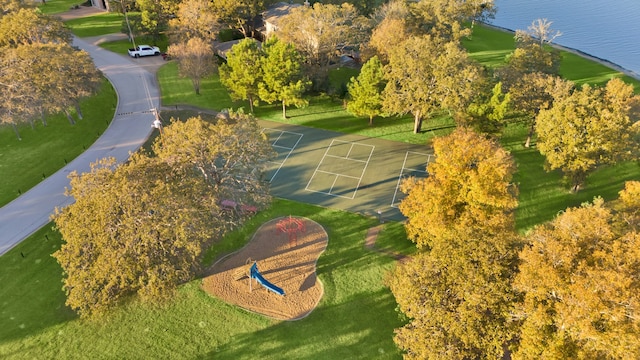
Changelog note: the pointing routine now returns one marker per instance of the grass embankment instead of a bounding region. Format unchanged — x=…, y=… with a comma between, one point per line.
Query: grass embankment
x=96, y=25
x=356, y=316
x=44, y=150
x=354, y=320
x=542, y=194
x=52, y=7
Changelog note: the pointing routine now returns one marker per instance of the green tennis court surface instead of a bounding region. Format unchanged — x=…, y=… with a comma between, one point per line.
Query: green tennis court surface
x=347, y=172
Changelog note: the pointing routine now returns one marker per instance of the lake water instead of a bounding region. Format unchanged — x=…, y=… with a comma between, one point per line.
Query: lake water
x=606, y=29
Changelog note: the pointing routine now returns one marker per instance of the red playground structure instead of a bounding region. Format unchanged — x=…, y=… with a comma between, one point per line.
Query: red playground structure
x=291, y=226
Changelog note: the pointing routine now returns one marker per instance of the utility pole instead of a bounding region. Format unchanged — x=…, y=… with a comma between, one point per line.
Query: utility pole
x=126, y=19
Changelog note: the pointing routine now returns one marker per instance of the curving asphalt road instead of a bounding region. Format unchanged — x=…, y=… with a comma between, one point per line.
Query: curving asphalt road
x=137, y=93
x=348, y=172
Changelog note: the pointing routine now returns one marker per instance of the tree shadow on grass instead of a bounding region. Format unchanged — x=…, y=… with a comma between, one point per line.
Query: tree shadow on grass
x=358, y=327
x=31, y=294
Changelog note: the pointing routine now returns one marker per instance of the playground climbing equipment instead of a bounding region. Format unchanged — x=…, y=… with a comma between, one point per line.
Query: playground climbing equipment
x=292, y=226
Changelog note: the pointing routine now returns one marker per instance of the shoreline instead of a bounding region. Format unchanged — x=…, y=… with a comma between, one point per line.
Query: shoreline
x=583, y=54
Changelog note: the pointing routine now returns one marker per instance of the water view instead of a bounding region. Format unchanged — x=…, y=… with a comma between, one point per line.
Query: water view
x=606, y=29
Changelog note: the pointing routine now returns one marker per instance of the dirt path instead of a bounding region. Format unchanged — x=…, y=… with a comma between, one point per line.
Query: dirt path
x=82, y=11
x=370, y=243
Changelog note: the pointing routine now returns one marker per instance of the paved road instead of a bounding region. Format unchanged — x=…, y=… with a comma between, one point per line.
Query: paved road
x=325, y=168
x=131, y=126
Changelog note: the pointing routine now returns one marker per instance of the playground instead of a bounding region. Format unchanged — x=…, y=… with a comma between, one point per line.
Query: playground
x=275, y=273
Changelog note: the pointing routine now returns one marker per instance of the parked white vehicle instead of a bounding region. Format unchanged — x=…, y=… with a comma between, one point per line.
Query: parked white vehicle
x=144, y=50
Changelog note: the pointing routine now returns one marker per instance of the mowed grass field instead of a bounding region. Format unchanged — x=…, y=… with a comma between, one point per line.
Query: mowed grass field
x=354, y=320
x=53, y=7
x=357, y=315
x=43, y=150
x=542, y=194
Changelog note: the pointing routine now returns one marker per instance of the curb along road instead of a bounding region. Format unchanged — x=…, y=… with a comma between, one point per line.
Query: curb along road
x=131, y=126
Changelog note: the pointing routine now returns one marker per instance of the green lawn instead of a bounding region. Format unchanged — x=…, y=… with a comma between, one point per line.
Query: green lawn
x=356, y=317
x=542, y=194
x=583, y=71
x=119, y=47
x=323, y=111
x=354, y=320
x=44, y=150
x=177, y=90
x=95, y=25
x=489, y=46
x=53, y=7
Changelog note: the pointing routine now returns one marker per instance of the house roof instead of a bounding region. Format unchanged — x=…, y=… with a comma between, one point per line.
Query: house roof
x=222, y=48
x=276, y=11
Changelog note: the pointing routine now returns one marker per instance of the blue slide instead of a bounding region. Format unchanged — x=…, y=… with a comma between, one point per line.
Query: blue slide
x=264, y=282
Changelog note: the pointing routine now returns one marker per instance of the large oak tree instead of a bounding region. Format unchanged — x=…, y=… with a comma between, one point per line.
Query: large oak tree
x=425, y=75
x=386, y=36
x=194, y=18
x=581, y=279
x=42, y=78
x=589, y=128
x=322, y=32
x=238, y=14
x=195, y=59
x=534, y=92
x=155, y=15
x=531, y=71
x=459, y=302
x=469, y=186
x=28, y=26
x=458, y=295
x=231, y=155
x=446, y=19
x=141, y=227
x=40, y=72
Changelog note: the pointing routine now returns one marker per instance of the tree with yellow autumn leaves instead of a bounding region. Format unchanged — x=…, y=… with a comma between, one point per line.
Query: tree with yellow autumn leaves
x=141, y=227
x=581, y=278
x=458, y=294
x=567, y=289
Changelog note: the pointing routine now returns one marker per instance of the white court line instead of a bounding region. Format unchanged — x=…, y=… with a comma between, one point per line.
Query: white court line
x=400, y=177
x=363, y=170
x=317, y=167
x=337, y=174
x=326, y=155
x=282, y=147
x=329, y=193
x=353, y=144
x=346, y=158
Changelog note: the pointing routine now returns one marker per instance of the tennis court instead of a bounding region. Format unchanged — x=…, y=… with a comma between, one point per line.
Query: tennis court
x=347, y=172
